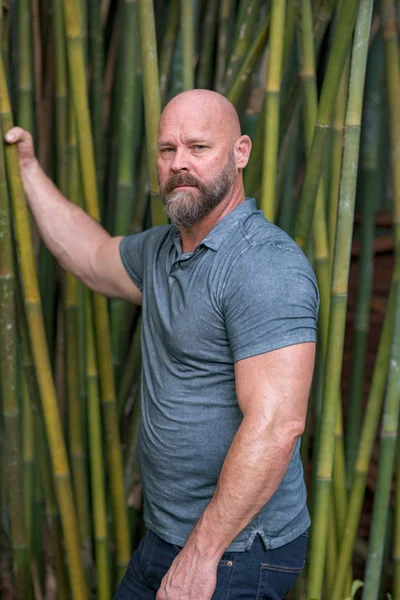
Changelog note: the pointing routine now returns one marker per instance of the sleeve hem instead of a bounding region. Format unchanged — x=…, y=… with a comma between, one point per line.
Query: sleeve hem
x=276, y=345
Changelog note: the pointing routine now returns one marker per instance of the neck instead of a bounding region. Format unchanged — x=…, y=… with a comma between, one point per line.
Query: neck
x=192, y=236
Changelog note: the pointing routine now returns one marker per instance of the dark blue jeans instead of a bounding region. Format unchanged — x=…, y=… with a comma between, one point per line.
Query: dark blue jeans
x=257, y=574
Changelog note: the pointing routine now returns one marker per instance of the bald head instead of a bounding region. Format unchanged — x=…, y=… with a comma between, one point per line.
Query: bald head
x=202, y=109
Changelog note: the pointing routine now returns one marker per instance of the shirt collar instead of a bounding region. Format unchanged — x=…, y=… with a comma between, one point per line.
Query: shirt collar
x=222, y=229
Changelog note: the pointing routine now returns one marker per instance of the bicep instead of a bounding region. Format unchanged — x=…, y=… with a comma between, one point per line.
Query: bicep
x=109, y=274
x=274, y=386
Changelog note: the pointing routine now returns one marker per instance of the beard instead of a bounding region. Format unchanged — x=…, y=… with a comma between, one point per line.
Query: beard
x=183, y=207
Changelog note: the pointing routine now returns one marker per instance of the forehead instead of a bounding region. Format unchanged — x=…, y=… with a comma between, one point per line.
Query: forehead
x=190, y=121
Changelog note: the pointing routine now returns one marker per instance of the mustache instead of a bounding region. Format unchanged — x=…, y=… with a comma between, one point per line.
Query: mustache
x=180, y=179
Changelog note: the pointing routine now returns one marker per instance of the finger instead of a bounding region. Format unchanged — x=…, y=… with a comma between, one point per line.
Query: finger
x=17, y=134
x=161, y=595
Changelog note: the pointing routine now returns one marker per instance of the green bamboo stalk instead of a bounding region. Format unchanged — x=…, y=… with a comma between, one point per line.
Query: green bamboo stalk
x=52, y=512
x=28, y=459
x=332, y=78
x=224, y=27
x=367, y=438
x=235, y=88
x=339, y=296
x=369, y=193
x=336, y=158
x=272, y=109
x=388, y=440
x=392, y=72
x=396, y=540
x=168, y=49
x=61, y=95
x=310, y=108
x=96, y=91
x=25, y=85
x=8, y=389
x=103, y=343
x=286, y=205
x=187, y=29
x=206, y=58
x=331, y=550
x=246, y=26
x=76, y=442
x=97, y=465
x=37, y=335
x=127, y=159
x=151, y=93
x=292, y=12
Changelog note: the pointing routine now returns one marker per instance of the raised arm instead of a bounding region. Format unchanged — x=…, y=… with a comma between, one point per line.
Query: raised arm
x=80, y=245
x=272, y=390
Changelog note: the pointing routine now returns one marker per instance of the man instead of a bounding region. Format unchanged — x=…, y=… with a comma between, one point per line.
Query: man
x=229, y=319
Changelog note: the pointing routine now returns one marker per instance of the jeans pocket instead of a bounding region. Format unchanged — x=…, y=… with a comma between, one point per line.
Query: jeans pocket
x=281, y=568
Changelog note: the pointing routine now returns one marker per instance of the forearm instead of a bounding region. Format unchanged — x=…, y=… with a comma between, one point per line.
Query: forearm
x=253, y=469
x=68, y=232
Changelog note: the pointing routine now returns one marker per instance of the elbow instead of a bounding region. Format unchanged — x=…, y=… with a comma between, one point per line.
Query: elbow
x=288, y=433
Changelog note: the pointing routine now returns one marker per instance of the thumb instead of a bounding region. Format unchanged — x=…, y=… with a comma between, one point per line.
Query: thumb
x=161, y=595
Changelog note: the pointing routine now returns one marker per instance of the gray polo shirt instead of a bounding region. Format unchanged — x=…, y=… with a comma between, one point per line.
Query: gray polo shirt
x=246, y=289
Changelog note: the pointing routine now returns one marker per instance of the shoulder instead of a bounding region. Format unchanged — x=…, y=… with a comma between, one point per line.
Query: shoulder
x=148, y=236
x=267, y=251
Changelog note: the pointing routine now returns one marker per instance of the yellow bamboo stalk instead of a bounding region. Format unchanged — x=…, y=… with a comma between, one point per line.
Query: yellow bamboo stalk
x=39, y=349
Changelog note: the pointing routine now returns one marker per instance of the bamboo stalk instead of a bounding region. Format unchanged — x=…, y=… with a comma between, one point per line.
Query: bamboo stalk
x=339, y=296
x=8, y=389
x=224, y=26
x=168, y=49
x=272, y=109
x=332, y=78
x=367, y=438
x=369, y=193
x=246, y=25
x=25, y=86
x=97, y=465
x=336, y=158
x=96, y=91
x=187, y=29
x=388, y=439
x=151, y=93
x=76, y=443
x=103, y=343
x=235, y=90
x=37, y=335
x=206, y=58
x=392, y=72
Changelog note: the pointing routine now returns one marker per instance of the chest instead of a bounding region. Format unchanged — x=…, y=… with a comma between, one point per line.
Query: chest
x=182, y=307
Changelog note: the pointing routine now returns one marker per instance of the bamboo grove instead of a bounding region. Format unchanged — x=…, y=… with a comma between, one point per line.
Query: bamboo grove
x=317, y=87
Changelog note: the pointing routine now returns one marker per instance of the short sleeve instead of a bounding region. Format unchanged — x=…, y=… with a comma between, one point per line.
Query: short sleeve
x=132, y=252
x=270, y=300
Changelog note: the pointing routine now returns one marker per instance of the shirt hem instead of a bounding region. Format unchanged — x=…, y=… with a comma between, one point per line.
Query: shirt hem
x=272, y=542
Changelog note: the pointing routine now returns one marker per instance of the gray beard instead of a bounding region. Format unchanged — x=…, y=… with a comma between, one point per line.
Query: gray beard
x=185, y=208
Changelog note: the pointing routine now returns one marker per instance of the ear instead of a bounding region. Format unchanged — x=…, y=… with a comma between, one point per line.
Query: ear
x=242, y=151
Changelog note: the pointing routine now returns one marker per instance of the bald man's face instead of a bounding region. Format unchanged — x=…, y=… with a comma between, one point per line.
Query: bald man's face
x=196, y=161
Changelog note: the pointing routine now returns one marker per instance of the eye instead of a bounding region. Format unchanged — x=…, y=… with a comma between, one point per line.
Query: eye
x=199, y=147
x=166, y=150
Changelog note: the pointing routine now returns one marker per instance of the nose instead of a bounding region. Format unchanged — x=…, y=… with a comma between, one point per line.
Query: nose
x=180, y=162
